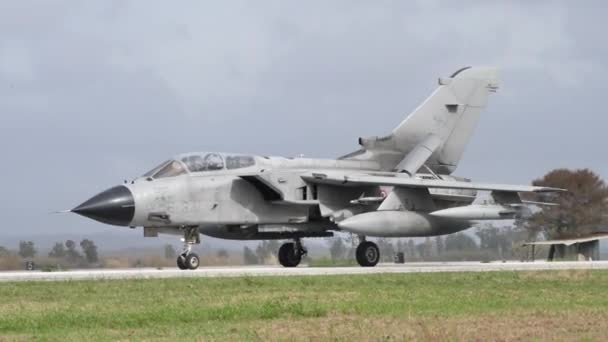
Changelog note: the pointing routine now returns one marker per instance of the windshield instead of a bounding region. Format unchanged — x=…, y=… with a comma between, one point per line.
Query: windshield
x=169, y=168
x=155, y=170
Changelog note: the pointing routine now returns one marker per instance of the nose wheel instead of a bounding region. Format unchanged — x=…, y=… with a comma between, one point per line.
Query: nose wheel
x=187, y=260
x=181, y=263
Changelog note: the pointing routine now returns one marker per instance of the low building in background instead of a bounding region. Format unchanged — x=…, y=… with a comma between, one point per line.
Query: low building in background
x=575, y=249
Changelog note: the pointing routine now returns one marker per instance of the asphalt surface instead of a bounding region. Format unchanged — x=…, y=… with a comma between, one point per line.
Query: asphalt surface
x=253, y=271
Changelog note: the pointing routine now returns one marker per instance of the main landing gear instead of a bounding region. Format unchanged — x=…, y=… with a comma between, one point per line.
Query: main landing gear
x=291, y=253
x=187, y=260
x=367, y=253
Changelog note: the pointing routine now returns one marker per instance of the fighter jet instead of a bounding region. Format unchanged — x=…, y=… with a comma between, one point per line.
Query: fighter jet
x=397, y=185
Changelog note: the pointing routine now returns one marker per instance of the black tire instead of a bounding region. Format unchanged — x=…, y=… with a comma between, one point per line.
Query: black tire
x=180, y=263
x=368, y=254
x=192, y=261
x=288, y=256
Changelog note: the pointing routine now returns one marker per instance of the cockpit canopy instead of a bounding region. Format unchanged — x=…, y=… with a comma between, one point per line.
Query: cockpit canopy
x=200, y=162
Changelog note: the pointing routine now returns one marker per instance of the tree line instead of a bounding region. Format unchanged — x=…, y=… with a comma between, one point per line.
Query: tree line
x=83, y=253
x=263, y=253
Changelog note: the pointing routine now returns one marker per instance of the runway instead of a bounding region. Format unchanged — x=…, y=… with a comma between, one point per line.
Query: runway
x=255, y=271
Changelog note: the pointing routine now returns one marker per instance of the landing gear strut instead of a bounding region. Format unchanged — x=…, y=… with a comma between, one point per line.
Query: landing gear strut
x=367, y=253
x=186, y=259
x=291, y=253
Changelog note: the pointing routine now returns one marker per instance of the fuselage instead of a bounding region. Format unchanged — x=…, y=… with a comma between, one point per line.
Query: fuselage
x=221, y=196
x=211, y=191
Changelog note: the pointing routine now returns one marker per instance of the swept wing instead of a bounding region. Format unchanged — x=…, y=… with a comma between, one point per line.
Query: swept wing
x=359, y=179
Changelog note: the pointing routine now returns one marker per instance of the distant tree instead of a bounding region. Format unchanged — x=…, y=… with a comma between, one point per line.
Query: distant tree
x=72, y=254
x=222, y=253
x=420, y=250
x=439, y=245
x=411, y=248
x=27, y=249
x=273, y=246
x=424, y=249
x=170, y=252
x=459, y=242
x=489, y=237
x=514, y=237
x=523, y=224
x=428, y=247
x=510, y=238
x=4, y=251
x=401, y=246
x=249, y=256
x=58, y=251
x=90, y=250
x=387, y=250
x=499, y=241
x=580, y=211
x=337, y=248
x=266, y=249
x=350, y=240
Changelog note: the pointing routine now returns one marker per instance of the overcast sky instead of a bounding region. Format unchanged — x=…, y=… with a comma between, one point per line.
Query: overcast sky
x=93, y=92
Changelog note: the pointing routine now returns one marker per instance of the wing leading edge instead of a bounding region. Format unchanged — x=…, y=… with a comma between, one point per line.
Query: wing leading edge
x=343, y=179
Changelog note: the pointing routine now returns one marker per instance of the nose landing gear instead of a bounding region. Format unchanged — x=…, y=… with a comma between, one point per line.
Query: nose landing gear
x=187, y=260
x=291, y=253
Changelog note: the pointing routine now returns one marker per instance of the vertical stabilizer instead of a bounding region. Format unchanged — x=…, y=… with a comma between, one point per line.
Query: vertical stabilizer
x=449, y=116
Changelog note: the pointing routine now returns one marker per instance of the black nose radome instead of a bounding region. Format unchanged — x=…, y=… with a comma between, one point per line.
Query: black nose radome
x=113, y=206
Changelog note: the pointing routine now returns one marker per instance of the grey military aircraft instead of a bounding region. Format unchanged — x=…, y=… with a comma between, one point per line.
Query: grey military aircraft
x=398, y=185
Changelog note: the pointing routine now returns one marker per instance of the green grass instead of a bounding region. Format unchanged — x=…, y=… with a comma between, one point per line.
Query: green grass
x=412, y=306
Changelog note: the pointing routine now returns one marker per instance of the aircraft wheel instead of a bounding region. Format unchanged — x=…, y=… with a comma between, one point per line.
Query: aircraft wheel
x=288, y=256
x=368, y=254
x=192, y=261
x=180, y=263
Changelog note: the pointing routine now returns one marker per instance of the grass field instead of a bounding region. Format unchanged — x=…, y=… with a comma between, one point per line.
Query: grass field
x=554, y=305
